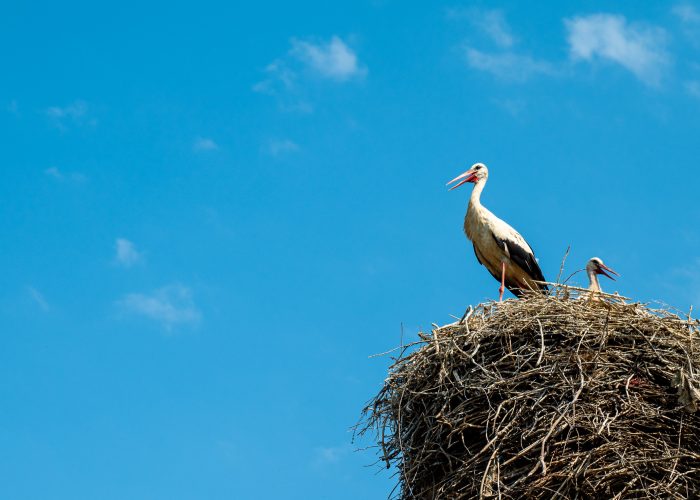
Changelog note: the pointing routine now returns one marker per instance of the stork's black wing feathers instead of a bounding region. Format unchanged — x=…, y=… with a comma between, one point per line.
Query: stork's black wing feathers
x=525, y=258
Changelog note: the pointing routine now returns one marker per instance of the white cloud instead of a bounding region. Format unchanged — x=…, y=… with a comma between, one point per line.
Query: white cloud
x=279, y=74
x=693, y=88
x=334, y=59
x=73, y=110
x=54, y=172
x=491, y=22
x=686, y=278
x=38, y=297
x=508, y=65
x=126, y=253
x=638, y=48
x=279, y=147
x=514, y=107
x=504, y=64
x=75, y=113
x=687, y=13
x=327, y=455
x=494, y=24
x=690, y=21
x=170, y=306
x=60, y=176
x=204, y=144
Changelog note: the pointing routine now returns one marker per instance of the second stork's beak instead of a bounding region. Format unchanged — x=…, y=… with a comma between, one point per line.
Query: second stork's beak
x=602, y=268
x=468, y=176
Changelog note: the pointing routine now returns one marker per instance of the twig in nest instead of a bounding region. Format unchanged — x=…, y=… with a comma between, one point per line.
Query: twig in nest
x=563, y=261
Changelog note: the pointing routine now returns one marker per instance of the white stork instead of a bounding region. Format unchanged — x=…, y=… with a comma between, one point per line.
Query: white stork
x=497, y=246
x=595, y=267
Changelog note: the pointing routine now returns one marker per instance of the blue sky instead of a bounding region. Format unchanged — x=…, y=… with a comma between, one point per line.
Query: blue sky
x=213, y=213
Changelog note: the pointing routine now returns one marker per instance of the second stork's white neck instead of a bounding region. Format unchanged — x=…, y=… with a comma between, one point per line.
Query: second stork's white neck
x=593, y=284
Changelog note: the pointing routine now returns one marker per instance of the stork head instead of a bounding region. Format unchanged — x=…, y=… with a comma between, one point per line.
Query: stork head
x=477, y=173
x=596, y=266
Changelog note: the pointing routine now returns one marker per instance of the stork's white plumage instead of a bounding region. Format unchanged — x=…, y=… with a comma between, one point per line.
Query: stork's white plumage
x=497, y=246
x=594, y=267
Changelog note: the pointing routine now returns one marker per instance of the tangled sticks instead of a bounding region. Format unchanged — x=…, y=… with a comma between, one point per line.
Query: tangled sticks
x=544, y=397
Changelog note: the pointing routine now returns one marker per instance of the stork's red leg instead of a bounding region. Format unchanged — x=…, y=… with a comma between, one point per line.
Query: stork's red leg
x=503, y=282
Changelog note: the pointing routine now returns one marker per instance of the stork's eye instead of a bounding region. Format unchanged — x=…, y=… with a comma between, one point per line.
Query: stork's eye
x=477, y=167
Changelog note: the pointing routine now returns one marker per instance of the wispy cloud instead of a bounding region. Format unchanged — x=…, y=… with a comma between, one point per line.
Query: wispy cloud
x=76, y=109
x=170, y=306
x=126, y=254
x=505, y=62
x=690, y=21
x=58, y=175
x=333, y=59
x=641, y=49
x=204, y=144
x=687, y=13
x=508, y=65
x=75, y=113
x=38, y=298
x=278, y=74
x=279, y=147
x=55, y=173
x=693, y=88
x=490, y=22
x=514, y=107
x=13, y=107
x=281, y=83
x=686, y=279
x=327, y=455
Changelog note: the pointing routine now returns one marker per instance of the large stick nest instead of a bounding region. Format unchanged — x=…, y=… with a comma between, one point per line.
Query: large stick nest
x=544, y=397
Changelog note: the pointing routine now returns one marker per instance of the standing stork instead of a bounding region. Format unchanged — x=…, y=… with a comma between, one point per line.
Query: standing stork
x=595, y=267
x=497, y=246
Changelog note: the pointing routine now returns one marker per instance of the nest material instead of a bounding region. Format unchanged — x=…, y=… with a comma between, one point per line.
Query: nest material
x=546, y=397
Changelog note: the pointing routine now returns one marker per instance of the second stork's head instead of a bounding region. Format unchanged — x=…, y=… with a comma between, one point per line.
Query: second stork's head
x=477, y=173
x=596, y=266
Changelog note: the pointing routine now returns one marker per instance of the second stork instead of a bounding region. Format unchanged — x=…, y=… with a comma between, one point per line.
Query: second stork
x=497, y=246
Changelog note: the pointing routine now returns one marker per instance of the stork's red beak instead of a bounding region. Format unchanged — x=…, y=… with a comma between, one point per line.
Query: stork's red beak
x=468, y=176
x=602, y=268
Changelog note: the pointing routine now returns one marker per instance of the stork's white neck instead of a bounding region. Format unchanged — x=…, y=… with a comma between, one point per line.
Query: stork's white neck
x=475, y=198
x=593, y=284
